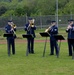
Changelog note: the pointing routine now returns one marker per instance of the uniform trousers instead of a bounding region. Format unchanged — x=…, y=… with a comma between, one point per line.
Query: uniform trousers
x=30, y=45
x=11, y=43
x=53, y=44
x=70, y=46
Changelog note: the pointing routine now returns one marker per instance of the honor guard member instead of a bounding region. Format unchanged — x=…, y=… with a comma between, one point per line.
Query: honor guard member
x=53, y=30
x=70, y=31
x=30, y=29
x=10, y=29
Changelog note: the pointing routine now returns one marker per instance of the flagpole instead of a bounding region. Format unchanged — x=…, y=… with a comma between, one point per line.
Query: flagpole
x=57, y=12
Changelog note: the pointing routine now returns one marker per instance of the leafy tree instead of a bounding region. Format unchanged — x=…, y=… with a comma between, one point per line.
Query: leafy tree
x=2, y=10
x=19, y=11
x=36, y=7
x=19, y=0
x=10, y=0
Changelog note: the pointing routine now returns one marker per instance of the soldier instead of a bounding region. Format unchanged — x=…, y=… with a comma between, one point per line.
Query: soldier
x=70, y=31
x=30, y=29
x=10, y=29
x=53, y=30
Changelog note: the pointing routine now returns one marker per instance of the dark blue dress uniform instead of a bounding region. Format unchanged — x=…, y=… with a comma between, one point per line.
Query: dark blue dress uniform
x=70, y=32
x=30, y=41
x=10, y=40
x=53, y=42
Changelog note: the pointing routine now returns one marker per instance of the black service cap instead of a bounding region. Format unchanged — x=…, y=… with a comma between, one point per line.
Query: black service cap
x=70, y=20
x=9, y=20
x=53, y=21
x=30, y=18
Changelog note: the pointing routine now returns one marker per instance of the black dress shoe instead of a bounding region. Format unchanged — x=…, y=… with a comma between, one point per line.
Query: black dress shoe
x=70, y=55
x=32, y=53
x=51, y=54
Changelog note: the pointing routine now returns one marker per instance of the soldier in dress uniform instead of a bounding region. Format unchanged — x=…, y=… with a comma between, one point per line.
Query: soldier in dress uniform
x=10, y=28
x=30, y=29
x=70, y=31
x=53, y=30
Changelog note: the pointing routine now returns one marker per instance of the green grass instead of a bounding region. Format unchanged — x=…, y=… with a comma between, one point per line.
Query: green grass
x=35, y=64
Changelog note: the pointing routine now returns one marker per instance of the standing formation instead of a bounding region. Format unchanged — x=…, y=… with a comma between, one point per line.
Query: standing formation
x=30, y=30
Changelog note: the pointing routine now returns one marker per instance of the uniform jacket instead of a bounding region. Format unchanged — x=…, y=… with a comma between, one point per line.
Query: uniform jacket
x=8, y=30
x=53, y=31
x=71, y=32
x=31, y=30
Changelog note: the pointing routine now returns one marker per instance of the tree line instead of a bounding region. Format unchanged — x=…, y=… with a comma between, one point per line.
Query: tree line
x=35, y=7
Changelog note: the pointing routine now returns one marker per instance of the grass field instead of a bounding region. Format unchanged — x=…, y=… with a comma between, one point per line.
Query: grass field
x=35, y=64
